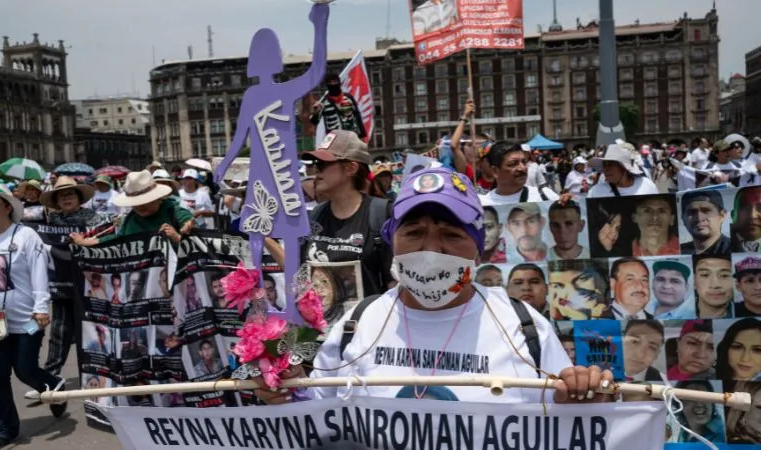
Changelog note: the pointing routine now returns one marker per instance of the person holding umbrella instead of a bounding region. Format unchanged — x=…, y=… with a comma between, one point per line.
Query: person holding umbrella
x=152, y=211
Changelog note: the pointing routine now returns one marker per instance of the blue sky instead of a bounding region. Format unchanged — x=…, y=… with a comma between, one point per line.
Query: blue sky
x=112, y=42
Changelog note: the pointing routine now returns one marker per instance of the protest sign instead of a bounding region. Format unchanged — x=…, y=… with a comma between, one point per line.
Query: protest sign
x=442, y=28
x=372, y=423
x=656, y=288
x=339, y=285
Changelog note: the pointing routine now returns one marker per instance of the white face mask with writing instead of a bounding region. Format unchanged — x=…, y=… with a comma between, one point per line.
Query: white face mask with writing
x=434, y=279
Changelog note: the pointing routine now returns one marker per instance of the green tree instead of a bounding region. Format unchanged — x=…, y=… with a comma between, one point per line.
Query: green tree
x=629, y=115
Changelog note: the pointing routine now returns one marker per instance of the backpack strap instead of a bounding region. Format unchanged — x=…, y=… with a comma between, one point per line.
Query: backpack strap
x=614, y=188
x=736, y=164
x=380, y=210
x=524, y=195
x=350, y=326
x=528, y=327
x=542, y=194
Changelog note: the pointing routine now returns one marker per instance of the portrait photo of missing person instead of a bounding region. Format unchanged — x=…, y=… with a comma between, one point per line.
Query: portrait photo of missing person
x=672, y=288
x=745, y=427
x=655, y=219
x=216, y=289
x=133, y=343
x=567, y=223
x=705, y=419
x=97, y=338
x=643, y=347
x=116, y=289
x=578, y=289
x=630, y=289
x=714, y=286
x=95, y=285
x=166, y=341
x=605, y=221
x=91, y=381
x=738, y=349
x=746, y=220
x=191, y=295
x=430, y=16
x=5, y=283
x=704, y=219
x=747, y=285
x=136, y=285
x=524, y=226
x=690, y=350
x=489, y=275
x=337, y=285
x=527, y=282
x=156, y=283
x=567, y=339
x=206, y=357
x=494, y=243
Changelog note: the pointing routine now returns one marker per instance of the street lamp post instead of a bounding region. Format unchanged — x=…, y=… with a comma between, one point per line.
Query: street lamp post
x=610, y=128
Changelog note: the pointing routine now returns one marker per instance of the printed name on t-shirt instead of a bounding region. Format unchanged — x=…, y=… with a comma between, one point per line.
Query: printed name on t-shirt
x=426, y=359
x=353, y=243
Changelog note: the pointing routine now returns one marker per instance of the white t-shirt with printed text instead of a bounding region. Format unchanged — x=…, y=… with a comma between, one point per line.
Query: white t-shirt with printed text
x=477, y=347
x=493, y=199
x=103, y=203
x=641, y=186
x=198, y=201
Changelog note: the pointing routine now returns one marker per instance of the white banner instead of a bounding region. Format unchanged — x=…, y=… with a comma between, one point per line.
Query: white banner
x=373, y=423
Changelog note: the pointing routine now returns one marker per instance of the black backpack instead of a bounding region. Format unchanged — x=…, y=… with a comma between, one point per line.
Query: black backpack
x=527, y=326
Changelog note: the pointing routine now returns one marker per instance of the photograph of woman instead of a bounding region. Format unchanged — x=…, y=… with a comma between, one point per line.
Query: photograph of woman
x=494, y=245
x=738, y=355
x=330, y=290
x=117, y=297
x=705, y=419
x=605, y=223
x=745, y=427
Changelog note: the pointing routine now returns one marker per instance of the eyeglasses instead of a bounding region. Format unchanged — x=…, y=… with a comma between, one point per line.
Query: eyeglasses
x=322, y=165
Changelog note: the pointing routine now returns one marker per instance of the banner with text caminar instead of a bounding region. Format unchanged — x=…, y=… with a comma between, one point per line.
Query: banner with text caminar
x=374, y=423
x=441, y=28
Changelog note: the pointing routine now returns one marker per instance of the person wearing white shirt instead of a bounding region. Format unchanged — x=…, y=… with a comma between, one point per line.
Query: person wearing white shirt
x=430, y=231
x=622, y=178
x=433, y=15
x=24, y=302
x=196, y=200
x=103, y=200
x=576, y=181
x=511, y=166
x=699, y=155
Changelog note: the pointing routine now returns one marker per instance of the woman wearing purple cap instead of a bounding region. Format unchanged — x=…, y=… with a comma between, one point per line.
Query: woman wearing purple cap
x=437, y=321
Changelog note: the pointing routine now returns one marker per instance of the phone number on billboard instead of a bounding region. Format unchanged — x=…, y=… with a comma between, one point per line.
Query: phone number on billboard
x=493, y=42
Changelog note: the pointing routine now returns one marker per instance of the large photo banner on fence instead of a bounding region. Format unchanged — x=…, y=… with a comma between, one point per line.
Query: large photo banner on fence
x=657, y=288
x=372, y=423
x=441, y=28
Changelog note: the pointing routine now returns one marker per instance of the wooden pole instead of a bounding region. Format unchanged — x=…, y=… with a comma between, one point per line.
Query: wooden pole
x=496, y=385
x=473, y=119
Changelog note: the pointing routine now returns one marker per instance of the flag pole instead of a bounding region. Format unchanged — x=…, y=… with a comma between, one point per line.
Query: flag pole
x=473, y=119
x=496, y=385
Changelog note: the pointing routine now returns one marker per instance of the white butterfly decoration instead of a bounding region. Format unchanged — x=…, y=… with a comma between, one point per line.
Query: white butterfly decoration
x=298, y=352
x=264, y=206
x=245, y=372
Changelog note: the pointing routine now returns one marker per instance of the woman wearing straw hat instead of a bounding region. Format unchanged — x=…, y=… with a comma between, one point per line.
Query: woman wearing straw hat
x=25, y=314
x=152, y=211
x=437, y=235
x=161, y=176
x=66, y=201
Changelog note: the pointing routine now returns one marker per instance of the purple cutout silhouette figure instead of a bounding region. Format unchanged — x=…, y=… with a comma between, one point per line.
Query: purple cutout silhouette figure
x=274, y=204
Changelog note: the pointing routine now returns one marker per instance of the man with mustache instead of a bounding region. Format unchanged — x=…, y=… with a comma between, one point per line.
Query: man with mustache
x=525, y=224
x=654, y=217
x=748, y=283
x=703, y=214
x=526, y=282
x=670, y=286
x=630, y=285
x=713, y=286
x=746, y=220
x=510, y=165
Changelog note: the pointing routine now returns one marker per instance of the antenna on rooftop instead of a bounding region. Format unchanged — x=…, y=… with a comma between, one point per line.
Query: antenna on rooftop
x=388, y=19
x=210, y=41
x=190, y=52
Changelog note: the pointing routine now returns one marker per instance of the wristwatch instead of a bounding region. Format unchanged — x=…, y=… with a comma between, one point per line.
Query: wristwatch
x=464, y=119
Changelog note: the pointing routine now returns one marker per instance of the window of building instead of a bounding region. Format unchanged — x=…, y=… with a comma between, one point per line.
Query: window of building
x=675, y=88
x=487, y=83
x=510, y=132
x=105, y=123
x=699, y=88
x=651, y=107
x=698, y=71
x=421, y=88
x=421, y=104
x=651, y=89
x=484, y=66
x=462, y=99
x=377, y=92
x=422, y=137
x=626, y=74
x=675, y=123
x=399, y=90
x=376, y=76
x=462, y=69
x=420, y=72
x=556, y=80
x=530, y=64
x=133, y=121
x=673, y=55
x=557, y=96
x=400, y=106
x=557, y=130
x=532, y=111
x=442, y=70
x=651, y=73
x=532, y=97
x=442, y=117
x=625, y=59
x=93, y=123
x=675, y=105
x=442, y=86
x=401, y=139
x=442, y=103
x=649, y=57
x=121, y=121
x=627, y=91
x=508, y=81
x=378, y=139
x=510, y=98
x=508, y=65
x=235, y=80
x=462, y=85
x=400, y=120
x=580, y=129
x=89, y=111
x=579, y=94
x=102, y=111
x=700, y=104
x=651, y=125
x=487, y=101
x=531, y=80
x=553, y=64
x=532, y=129
x=511, y=111
x=195, y=84
x=398, y=74
x=579, y=77
x=199, y=147
x=581, y=112
x=197, y=127
x=217, y=126
x=697, y=35
x=218, y=147
x=421, y=118
x=557, y=113
x=486, y=113
x=700, y=121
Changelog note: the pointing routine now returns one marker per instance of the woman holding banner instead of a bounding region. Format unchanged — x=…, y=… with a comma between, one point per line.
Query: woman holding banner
x=432, y=315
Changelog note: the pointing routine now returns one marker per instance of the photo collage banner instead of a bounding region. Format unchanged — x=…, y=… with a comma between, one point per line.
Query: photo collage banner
x=659, y=288
x=155, y=314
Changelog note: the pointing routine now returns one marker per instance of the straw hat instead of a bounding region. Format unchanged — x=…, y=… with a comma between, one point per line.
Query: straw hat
x=31, y=184
x=140, y=188
x=102, y=179
x=18, y=208
x=48, y=198
x=161, y=176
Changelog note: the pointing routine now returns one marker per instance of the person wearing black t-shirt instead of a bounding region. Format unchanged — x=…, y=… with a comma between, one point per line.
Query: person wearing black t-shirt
x=347, y=226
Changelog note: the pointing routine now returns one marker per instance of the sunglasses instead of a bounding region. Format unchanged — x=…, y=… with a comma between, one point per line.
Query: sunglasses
x=322, y=165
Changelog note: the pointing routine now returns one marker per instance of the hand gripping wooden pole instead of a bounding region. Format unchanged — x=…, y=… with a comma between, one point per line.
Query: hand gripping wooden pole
x=496, y=385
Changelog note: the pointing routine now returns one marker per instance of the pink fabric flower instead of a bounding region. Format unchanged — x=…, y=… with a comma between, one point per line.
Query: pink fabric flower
x=272, y=368
x=310, y=307
x=241, y=286
x=255, y=332
x=249, y=349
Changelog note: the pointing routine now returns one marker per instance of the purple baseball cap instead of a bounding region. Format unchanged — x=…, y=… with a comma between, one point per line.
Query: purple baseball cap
x=439, y=187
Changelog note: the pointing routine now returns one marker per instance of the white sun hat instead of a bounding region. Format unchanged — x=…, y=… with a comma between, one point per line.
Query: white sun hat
x=616, y=153
x=140, y=188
